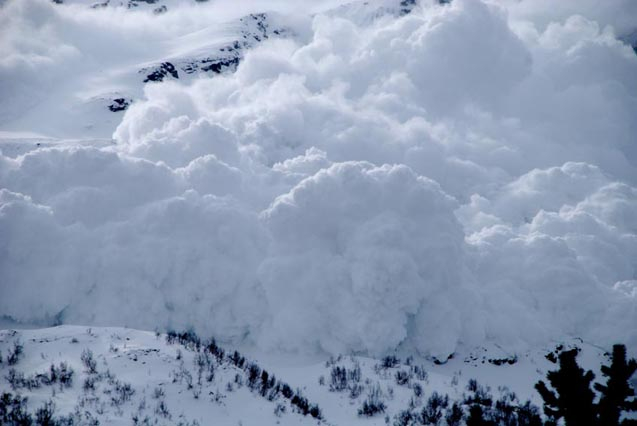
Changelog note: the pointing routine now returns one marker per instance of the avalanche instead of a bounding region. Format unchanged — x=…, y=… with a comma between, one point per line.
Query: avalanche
x=370, y=176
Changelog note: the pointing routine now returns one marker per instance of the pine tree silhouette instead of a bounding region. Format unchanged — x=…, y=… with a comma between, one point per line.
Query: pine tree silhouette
x=573, y=397
x=616, y=395
x=476, y=416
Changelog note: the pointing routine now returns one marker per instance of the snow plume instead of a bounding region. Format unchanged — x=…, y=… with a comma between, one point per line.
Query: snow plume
x=358, y=251
x=461, y=173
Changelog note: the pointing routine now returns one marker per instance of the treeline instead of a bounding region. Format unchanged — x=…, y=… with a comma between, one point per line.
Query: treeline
x=570, y=395
x=570, y=398
x=257, y=379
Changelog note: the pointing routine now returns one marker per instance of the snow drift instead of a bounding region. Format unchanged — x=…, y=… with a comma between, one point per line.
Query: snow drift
x=461, y=173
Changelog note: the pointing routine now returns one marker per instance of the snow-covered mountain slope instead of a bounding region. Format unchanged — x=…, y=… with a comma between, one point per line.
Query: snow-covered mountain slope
x=107, y=80
x=327, y=177
x=121, y=376
x=124, y=376
x=108, y=72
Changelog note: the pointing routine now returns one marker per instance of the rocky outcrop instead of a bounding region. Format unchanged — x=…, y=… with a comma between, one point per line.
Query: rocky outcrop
x=254, y=29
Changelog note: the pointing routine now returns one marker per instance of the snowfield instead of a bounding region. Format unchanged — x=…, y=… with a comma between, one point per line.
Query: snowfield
x=306, y=179
x=171, y=383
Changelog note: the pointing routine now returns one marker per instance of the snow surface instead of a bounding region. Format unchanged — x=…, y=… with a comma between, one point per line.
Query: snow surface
x=461, y=174
x=147, y=362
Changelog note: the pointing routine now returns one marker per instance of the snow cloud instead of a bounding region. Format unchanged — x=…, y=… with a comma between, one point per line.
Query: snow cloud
x=461, y=173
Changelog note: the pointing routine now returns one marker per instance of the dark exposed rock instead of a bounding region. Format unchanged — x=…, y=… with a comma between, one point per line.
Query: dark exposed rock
x=216, y=66
x=501, y=361
x=135, y=3
x=119, y=104
x=161, y=72
x=442, y=361
x=256, y=29
x=406, y=6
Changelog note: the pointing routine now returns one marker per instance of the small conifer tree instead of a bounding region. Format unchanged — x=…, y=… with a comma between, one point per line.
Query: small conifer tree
x=572, y=397
x=616, y=396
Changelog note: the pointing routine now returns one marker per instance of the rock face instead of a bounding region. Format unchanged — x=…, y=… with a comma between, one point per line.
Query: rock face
x=254, y=29
x=162, y=71
x=406, y=6
x=119, y=104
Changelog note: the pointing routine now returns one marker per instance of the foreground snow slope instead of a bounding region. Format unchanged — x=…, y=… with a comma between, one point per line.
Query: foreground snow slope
x=352, y=178
x=166, y=386
x=159, y=388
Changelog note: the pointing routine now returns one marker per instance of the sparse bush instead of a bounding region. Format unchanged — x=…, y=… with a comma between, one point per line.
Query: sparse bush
x=528, y=415
x=315, y=412
x=420, y=372
x=237, y=360
x=267, y=382
x=162, y=410
x=402, y=378
x=338, y=379
x=64, y=375
x=122, y=393
x=88, y=360
x=44, y=416
x=304, y=407
x=286, y=391
x=274, y=392
x=158, y=392
x=196, y=391
x=89, y=383
x=333, y=361
x=404, y=418
x=455, y=415
x=15, y=353
x=181, y=375
x=390, y=361
x=455, y=379
x=433, y=411
x=479, y=395
x=279, y=410
x=138, y=421
x=15, y=378
x=373, y=404
x=203, y=362
x=355, y=390
x=301, y=403
x=354, y=375
x=254, y=374
x=505, y=408
x=417, y=390
x=188, y=339
x=476, y=416
x=13, y=410
x=215, y=350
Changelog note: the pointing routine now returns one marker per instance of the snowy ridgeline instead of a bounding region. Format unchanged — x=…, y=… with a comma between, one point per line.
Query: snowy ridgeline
x=122, y=376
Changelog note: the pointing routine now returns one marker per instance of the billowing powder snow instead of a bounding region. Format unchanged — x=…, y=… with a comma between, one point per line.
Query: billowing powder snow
x=464, y=172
